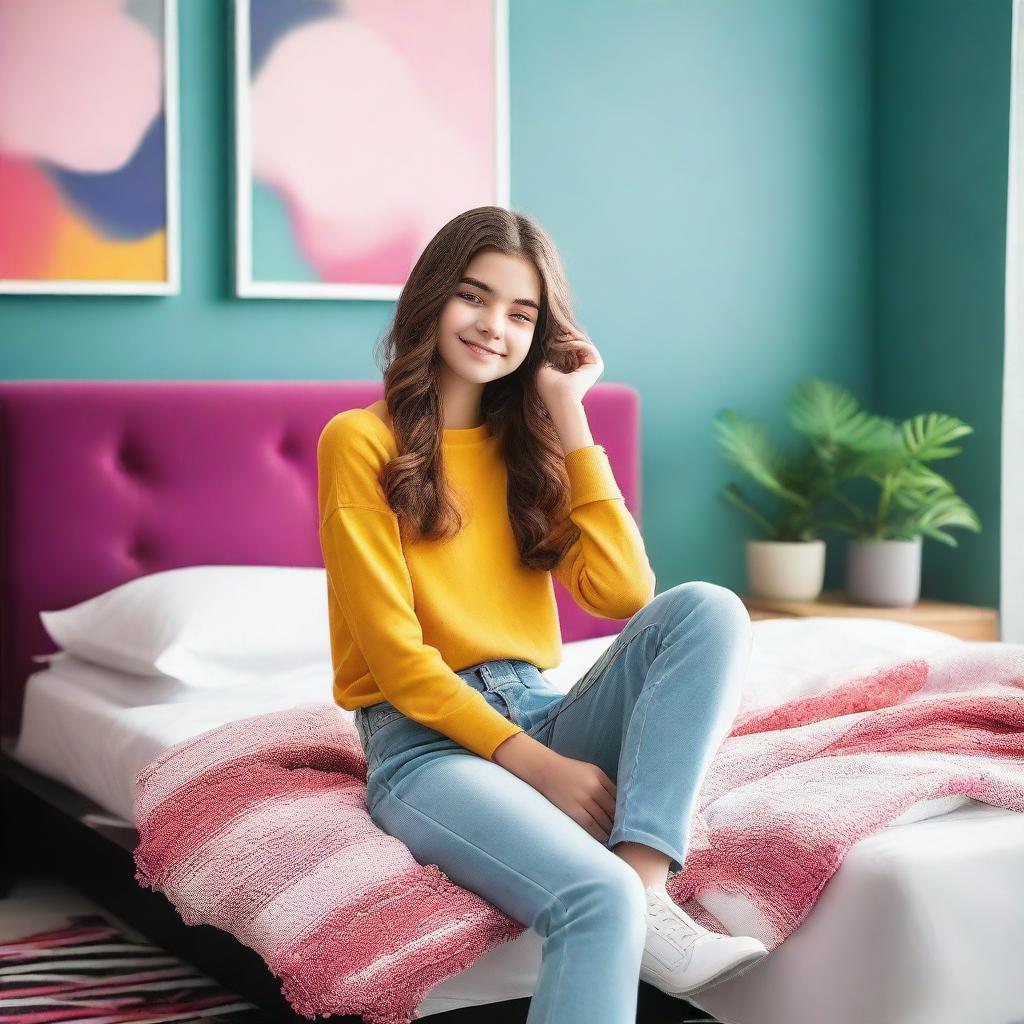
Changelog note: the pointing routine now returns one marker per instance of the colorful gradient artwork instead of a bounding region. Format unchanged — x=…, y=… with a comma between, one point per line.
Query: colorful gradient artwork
x=86, y=185
x=362, y=127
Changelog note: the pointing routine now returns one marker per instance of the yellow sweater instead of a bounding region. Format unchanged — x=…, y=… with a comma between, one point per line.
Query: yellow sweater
x=405, y=618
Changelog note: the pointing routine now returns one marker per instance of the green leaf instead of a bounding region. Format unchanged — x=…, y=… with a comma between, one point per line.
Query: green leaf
x=746, y=444
x=920, y=477
x=947, y=510
x=877, y=463
x=935, y=534
x=927, y=436
x=831, y=416
x=912, y=500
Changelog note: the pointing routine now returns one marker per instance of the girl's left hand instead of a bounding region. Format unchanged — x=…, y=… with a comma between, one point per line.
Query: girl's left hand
x=583, y=365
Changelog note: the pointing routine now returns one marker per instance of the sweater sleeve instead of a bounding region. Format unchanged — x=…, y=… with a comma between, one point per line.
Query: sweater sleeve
x=369, y=577
x=606, y=570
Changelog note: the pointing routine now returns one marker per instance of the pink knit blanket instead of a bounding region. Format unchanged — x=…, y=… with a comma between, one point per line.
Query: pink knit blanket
x=259, y=826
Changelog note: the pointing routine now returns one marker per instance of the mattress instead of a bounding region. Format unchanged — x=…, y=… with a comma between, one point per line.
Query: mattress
x=912, y=927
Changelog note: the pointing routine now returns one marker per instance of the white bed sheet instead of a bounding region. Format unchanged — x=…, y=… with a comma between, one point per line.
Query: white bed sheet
x=923, y=922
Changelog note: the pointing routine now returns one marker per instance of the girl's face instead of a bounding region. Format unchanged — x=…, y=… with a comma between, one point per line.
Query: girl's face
x=495, y=305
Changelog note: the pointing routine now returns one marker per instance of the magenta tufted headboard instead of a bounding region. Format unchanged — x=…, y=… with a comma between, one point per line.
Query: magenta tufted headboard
x=103, y=481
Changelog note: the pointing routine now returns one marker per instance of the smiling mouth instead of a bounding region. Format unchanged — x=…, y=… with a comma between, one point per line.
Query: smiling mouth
x=480, y=347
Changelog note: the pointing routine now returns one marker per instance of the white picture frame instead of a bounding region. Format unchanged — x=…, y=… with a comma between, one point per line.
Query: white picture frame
x=171, y=284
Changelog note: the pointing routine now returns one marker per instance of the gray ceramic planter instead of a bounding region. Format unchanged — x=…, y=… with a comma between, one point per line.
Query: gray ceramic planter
x=886, y=573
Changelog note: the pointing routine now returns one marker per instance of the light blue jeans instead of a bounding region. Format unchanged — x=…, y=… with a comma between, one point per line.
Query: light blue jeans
x=651, y=712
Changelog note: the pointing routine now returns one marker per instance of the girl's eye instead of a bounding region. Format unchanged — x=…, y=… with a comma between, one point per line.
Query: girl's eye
x=470, y=295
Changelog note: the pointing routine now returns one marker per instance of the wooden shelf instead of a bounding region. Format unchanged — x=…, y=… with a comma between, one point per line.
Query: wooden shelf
x=966, y=621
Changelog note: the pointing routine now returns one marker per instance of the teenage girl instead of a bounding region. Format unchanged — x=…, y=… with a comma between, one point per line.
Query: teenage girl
x=445, y=509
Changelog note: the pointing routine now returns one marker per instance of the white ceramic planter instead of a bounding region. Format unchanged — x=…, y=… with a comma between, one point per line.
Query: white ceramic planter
x=785, y=570
x=886, y=573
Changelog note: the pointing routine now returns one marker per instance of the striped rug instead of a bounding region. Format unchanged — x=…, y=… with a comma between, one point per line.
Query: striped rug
x=89, y=970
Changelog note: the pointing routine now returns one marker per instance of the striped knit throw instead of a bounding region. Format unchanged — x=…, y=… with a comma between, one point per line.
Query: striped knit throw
x=259, y=827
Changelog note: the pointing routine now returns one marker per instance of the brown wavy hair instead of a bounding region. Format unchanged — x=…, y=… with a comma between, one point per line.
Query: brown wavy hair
x=414, y=482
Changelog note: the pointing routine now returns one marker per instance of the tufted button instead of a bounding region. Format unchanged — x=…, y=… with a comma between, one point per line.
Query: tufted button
x=141, y=549
x=129, y=460
x=289, y=446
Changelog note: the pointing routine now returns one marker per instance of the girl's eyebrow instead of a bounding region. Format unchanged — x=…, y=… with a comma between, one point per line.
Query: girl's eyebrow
x=487, y=288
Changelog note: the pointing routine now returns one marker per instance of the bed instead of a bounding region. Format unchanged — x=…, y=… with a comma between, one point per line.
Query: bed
x=108, y=481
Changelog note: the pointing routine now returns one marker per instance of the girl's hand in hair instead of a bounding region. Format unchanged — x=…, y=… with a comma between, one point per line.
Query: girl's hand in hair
x=572, y=367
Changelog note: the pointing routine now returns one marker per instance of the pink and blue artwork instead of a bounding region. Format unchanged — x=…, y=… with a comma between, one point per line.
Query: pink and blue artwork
x=362, y=126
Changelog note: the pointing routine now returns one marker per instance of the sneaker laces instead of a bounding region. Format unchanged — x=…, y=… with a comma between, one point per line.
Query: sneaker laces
x=682, y=931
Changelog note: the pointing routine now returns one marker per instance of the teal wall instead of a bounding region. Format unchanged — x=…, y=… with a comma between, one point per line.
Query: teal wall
x=706, y=170
x=941, y=147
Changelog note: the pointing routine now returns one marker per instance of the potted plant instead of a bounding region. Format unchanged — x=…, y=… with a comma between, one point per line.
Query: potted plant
x=883, y=564
x=789, y=562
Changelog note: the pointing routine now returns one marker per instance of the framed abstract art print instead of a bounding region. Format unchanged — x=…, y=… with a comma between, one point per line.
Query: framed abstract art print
x=361, y=127
x=89, y=147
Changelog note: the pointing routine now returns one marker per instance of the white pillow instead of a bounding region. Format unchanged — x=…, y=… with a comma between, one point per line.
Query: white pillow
x=206, y=625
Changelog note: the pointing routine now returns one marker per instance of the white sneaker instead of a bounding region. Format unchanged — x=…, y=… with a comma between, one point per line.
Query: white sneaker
x=683, y=958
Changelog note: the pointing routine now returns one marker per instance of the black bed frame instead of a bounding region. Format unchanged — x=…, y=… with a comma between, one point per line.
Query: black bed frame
x=49, y=826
